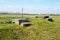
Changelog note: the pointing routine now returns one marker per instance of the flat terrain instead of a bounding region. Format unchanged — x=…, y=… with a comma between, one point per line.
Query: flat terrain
x=41, y=29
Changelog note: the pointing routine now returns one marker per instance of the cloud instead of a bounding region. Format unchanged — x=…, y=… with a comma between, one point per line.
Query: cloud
x=33, y=7
x=27, y=9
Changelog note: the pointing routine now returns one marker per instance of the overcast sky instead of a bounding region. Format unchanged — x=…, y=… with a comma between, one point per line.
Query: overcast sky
x=30, y=6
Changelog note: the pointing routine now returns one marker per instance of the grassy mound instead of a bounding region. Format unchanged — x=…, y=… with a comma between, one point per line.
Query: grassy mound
x=41, y=29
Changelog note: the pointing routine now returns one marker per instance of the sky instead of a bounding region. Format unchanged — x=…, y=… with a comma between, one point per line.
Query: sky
x=30, y=6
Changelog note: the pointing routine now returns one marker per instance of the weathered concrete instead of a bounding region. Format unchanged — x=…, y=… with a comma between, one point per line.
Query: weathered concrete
x=25, y=24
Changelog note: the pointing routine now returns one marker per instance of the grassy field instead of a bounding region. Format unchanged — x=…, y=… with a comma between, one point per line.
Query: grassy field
x=41, y=29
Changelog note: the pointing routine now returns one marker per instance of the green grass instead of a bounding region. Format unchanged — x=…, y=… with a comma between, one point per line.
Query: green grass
x=41, y=29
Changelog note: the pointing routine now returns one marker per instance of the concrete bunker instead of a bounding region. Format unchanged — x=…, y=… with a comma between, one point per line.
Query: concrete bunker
x=21, y=22
x=50, y=19
x=46, y=17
